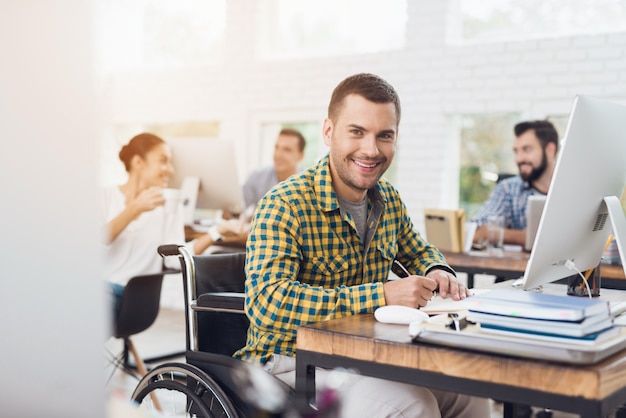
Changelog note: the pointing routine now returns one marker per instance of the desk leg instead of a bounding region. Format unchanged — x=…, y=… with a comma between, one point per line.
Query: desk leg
x=512, y=410
x=305, y=382
x=508, y=410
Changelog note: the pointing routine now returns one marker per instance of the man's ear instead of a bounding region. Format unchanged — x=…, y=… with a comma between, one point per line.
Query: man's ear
x=551, y=149
x=327, y=131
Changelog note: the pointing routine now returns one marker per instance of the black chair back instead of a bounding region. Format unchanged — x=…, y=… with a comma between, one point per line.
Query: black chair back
x=220, y=273
x=502, y=176
x=139, y=306
x=221, y=331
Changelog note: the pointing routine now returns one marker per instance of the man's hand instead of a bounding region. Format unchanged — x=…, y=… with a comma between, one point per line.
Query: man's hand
x=413, y=291
x=511, y=236
x=448, y=284
x=480, y=236
x=416, y=291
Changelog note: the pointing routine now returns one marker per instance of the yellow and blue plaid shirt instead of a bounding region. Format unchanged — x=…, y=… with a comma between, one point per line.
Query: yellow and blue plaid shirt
x=305, y=261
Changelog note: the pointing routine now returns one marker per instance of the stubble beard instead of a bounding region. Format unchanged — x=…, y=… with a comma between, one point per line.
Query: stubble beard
x=351, y=180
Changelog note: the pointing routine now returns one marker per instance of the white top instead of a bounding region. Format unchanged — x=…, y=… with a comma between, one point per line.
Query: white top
x=134, y=251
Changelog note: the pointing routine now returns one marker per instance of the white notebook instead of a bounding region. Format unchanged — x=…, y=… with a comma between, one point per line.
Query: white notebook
x=438, y=305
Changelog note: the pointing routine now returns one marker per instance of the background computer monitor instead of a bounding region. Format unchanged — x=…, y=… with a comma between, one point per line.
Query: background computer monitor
x=213, y=162
x=576, y=223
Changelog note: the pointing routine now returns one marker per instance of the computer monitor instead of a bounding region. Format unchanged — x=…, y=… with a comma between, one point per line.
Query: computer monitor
x=205, y=169
x=583, y=204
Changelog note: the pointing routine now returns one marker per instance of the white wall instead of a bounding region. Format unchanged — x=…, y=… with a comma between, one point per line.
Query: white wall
x=536, y=78
x=52, y=322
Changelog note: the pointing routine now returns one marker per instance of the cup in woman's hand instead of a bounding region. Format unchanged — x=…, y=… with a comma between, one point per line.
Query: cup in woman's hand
x=172, y=199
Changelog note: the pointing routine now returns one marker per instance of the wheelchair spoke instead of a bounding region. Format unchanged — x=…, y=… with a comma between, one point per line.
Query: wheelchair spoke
x=187, y=389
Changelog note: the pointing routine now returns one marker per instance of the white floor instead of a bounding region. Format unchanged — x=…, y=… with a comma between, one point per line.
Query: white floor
x=166, y=336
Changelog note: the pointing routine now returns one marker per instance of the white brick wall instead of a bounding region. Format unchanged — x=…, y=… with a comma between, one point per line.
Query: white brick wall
x=535, y=78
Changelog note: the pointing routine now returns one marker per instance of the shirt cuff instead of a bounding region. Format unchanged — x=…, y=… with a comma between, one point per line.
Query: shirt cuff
x=441, y=267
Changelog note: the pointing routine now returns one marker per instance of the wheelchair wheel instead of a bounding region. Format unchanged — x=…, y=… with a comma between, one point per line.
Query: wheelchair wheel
x=183, y=390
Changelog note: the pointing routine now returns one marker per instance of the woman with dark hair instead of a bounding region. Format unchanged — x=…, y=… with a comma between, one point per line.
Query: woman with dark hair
x=136, y=219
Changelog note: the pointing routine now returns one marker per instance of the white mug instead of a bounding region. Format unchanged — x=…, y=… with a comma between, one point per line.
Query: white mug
x=172, y=200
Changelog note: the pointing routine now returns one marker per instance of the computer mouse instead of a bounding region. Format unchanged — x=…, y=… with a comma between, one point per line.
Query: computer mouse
x=399, y=314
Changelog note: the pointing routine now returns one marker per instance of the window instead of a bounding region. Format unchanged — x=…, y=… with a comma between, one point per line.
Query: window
x=505, y=20
x=486, y=151
x=299, y=29
x=150, y=34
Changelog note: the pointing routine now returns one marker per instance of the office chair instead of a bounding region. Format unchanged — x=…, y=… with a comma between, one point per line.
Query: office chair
x=138, y=310
x=502, y=176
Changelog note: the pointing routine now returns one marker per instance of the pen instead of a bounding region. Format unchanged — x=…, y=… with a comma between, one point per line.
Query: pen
x=399, y=264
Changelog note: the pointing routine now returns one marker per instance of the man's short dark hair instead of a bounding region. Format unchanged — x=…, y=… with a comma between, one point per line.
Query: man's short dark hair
x=544, y=130
x=297, y=134
x=369, y=86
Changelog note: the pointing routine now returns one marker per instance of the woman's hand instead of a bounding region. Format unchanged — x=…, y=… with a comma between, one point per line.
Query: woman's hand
x=233, y=227
x=146, y=201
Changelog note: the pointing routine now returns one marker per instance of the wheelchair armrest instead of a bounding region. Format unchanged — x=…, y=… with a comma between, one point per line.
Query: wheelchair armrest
x=220, y=301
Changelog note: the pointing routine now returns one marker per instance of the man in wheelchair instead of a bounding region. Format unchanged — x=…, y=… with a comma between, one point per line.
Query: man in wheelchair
x=322, y=244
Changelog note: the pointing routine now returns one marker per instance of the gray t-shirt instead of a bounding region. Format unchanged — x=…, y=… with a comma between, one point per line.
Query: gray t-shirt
x=358, y=211
x=259, y=183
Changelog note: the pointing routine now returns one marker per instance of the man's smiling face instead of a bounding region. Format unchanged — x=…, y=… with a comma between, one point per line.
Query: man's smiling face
x=362, y=143
x=530, y=156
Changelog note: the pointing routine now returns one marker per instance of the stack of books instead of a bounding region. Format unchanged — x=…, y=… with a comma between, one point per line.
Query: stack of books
x=555, y=318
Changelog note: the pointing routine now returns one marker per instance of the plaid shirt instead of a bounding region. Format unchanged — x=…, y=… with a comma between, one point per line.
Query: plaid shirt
x=509, y=199
x=306, y=263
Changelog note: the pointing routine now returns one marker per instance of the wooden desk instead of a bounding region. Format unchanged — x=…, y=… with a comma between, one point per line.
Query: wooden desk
x=191, y=233
x=386, y=351
x=512, y=265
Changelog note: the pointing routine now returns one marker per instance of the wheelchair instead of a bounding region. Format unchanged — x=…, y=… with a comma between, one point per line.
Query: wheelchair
x=211, y=383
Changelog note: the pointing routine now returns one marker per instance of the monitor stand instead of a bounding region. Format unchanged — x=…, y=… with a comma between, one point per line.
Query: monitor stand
x=618, y=222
